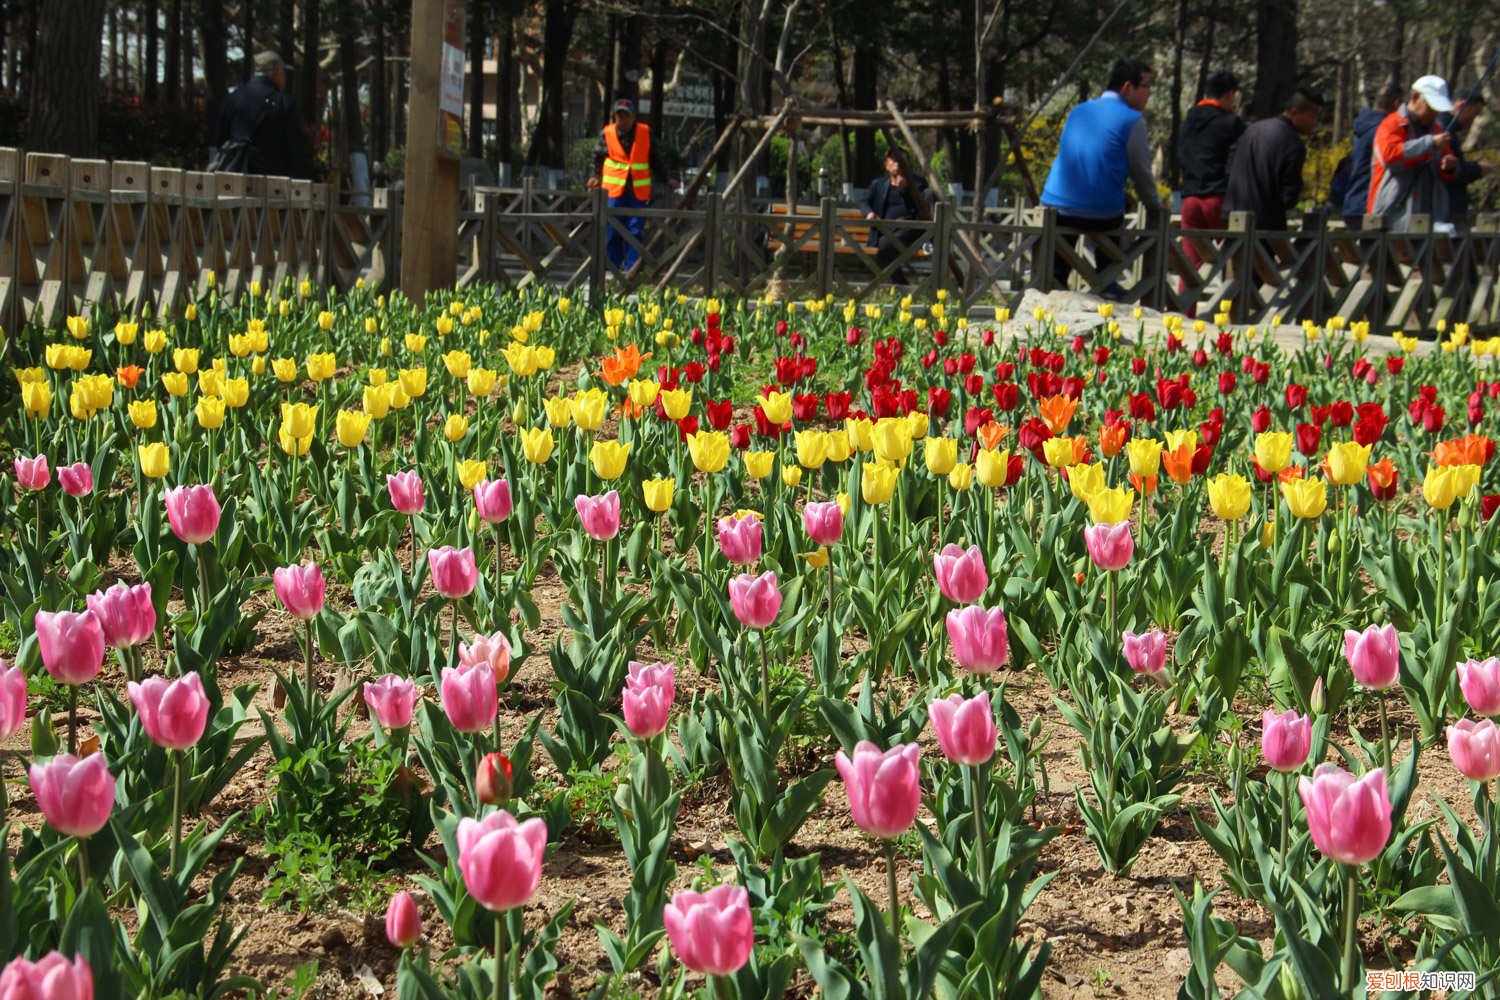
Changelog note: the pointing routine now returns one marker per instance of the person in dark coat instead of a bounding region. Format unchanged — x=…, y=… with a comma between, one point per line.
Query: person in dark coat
x=1265, y=171
x=896, y=195
x=1469, y=171
x=1357, y=186
x=262, y=114
x=1204, y=140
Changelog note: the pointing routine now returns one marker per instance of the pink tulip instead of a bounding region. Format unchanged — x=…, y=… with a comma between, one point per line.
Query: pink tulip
x=454, y=573
x=391, y=699
x=72, y=645
x=1349, y=818
x=492, y=500
x=980, y=639
x=492, y=780
x=51, y=977
x=600, y=515
x=1110, y=545
x=406, y=492
x=469, y=696
x=173, y=713
x=740, y=539
x=649, y=692
x=32, y=473
x=76, y=480
x=1475, y=749
x=961, y=573
x=713, y=932
x=755, y=599
x=493, y=649
x=500, y=859
x=965, y=729
x=1285, y=739
x=125, y=613
x=1374, y=655
x=193, y=512
x=12, y=701
x=1480, y=682
x=301, y=589
x=75, y=796
x=824, y=522
x=1146, y=654
x=403, y=924
x=883, y=787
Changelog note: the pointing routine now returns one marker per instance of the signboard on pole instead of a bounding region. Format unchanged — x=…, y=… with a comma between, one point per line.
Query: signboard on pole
x=451, y=86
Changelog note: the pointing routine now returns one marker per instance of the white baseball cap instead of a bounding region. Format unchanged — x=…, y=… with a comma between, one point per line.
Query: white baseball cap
x=1435, y=90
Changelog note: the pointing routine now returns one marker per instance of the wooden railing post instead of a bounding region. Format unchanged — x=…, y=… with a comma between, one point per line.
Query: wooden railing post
x=827, y=243
x=598, y=262
x=1242, y=265
x=1046, y=250
x=713, y=242
x=12, y=313
x=942, y=242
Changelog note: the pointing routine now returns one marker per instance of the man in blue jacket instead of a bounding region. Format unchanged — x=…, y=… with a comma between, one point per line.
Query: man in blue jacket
x=1365, y=123
x=1103, y=142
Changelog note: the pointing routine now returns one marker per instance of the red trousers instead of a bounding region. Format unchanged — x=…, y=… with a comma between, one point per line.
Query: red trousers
x=1200, y=213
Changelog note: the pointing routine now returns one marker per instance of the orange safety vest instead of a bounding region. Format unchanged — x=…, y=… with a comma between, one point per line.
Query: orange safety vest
x=620, y=168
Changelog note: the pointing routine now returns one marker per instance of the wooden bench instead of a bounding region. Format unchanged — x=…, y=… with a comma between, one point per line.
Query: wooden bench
x=806, y=238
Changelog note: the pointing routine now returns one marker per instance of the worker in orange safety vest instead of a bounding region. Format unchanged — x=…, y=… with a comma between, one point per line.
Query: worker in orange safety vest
x=624, y=161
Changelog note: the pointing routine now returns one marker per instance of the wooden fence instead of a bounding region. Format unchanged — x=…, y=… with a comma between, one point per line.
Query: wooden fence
x=75, y=231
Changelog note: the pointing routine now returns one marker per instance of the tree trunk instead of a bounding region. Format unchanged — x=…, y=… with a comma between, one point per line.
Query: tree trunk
x=628, y=66
x=286, y=31
x=1174, y=178
x=64, y=108
x=1398, y=45
x=215, y=54
x=152, y=35
x=307, y=75
x=505, y=89
x=174, y=53
x=353, y=125
x=557, y=36
x=247, y=37
x=189, y=54
x=658, y=84
x=866, y=66
x=1275, y=56
x=380, y=100
x=479, y=40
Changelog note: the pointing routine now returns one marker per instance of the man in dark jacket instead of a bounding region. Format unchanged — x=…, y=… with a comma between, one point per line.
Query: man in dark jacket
x=896, y=195
x=264, y=117
x=1208, y=133
x=1357, y=191
x=1469, y=171
x=1265, y=172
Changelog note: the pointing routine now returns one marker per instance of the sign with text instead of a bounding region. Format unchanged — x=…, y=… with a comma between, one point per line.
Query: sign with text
x=692, y=98
x=451, y=81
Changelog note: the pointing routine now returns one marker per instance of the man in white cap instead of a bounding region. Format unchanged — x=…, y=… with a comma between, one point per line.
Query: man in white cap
x=1412, y=157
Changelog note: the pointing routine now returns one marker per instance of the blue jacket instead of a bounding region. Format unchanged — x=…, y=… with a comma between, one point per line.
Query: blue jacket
x=1088, y=176
x=1358, y=191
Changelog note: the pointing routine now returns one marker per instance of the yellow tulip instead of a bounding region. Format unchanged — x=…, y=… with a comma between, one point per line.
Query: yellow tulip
x=190, y=312
x=27, y=375
x=1229, y=496
x=991, y=467
x=559, y=411
x=457, y=363
x=455, y=427
x=444, y=326
x=125, y=332
x=185, y=359
x=470, y=472
x=372, y=327
x=56, y=356
x=839, y=446
x=1176, y=439
x=142, y=413
x=1347, y=462
x=155, y=341
x=812, y=449
x=415, y=342
x=283, y=308
x=481, y=382
x=352, y=426
x=940, y=454
x=36, y=397
x=240, y=344
x=298, y=419
x=817, y=558
x=545, y=357
x=211, y=382
x=676, y=402
x=413, y=381
x=325, y=320
x=589, y=407
x=878, y=482
x=777, y=406
x=861, y=431
x=758, y=464
x=1273, y=451
x=791, y=475
x=79, y=358
x=235, y=392
x=375, y=401
x=377, y=376
x=643, y=391
x=891, y=440
x=321, y=366
x=258, y=364
x=917, y=424
x=78, y=326
x=396, y=393
x=1144, y=455
x=709, y=450
x=1110, y=505
x=304, y=288
x=658, y=494
x=1086, y=480
x=523, y=360
x=536, y=444
x=609, y=458
x=961, y=476
x=1468, y=478
x=154, y=458
x=292, y=444
x=1440, y=487
x=176, y=383
x=285, y=369
x=1305, y=497
x=1058, y=452
x=210, y=413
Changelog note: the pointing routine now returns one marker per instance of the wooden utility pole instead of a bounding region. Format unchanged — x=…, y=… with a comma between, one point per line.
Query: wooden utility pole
x=434, y=140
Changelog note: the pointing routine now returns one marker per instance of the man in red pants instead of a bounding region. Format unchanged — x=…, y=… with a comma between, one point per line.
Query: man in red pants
x=1207, y=133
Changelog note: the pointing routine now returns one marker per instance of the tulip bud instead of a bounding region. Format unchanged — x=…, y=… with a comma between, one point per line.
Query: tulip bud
x=1319, y=700
x=492, y=781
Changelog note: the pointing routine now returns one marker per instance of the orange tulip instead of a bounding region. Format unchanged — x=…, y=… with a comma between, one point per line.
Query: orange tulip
x=1471, y=449
x=630, y=410
x=1057, y=411
x=1382, y=476
x=991, y=434
x=623, y=365
x=1112, y=438
x=1144, y=485
x=129, y=375
x=1178, y=462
